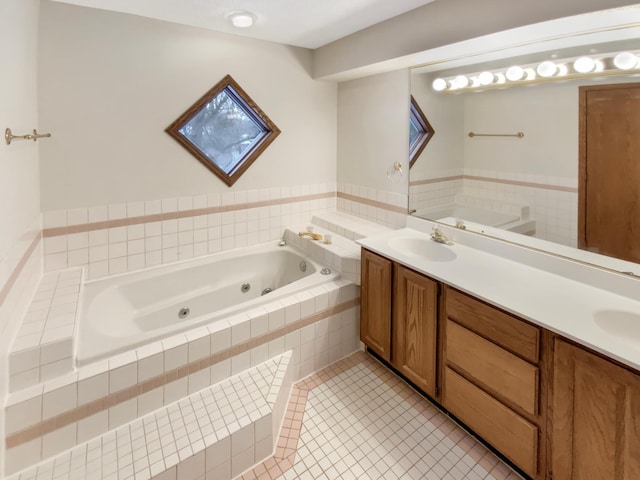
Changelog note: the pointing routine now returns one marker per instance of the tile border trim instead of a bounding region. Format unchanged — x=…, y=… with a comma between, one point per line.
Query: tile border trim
x=519, y=183
x=372, y=203
x=81, y=412
x=158, y=217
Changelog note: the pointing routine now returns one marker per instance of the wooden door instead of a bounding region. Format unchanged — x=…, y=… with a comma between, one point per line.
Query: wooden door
x=375, y=303
x=596, y=417
x=414, y=325
x=609, y=171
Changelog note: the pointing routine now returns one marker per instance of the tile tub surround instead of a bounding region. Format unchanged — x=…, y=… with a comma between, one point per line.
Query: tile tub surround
x=43, y=347
x=114, y=239
x=380, y=206
x=356, y=420
x=319, y=326
x=553, y=200
x=221, y=430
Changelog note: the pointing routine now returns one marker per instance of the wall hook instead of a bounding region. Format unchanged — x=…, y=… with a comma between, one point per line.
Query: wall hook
x=9, y=137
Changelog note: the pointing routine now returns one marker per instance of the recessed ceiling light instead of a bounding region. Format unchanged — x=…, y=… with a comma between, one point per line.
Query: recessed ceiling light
x=241, y=19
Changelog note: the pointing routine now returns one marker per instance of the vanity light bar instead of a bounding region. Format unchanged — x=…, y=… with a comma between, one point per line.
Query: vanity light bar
x=600, y=65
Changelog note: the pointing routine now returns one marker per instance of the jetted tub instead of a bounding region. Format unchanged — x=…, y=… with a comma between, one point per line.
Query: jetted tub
x=125, y=311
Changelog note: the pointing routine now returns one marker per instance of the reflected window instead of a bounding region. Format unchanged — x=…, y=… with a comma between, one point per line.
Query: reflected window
x=420, y=131
x=225, y=130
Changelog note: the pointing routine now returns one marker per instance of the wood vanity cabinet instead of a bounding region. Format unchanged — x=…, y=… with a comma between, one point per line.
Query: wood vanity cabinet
x=398, y=318
x=493, y=370
x=491, y=378
x=596, y=417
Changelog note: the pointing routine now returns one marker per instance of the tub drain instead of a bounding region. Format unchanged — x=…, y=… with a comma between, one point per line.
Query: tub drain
x=245, y=287
x=303, y=266
x=184, y=312
x=267, y=290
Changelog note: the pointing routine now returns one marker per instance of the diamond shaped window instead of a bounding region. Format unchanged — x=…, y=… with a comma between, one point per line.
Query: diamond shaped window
x=420, y=132
x=225, y=130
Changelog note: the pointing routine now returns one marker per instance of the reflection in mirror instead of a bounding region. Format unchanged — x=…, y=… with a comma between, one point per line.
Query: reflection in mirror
x=507, y=185
x=420, y=131
x=225, y=130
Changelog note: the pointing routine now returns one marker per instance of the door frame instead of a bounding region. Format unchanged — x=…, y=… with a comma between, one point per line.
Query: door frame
x=582, y=152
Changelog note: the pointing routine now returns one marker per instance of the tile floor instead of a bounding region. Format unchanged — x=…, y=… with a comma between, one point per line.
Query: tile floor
x=357, y=420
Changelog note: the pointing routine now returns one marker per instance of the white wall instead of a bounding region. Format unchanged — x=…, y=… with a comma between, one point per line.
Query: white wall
x=110, y=83
x=19, y=196
x=373, y=130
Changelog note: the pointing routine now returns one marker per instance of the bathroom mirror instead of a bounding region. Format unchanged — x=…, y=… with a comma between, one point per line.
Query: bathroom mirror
x=505, y=160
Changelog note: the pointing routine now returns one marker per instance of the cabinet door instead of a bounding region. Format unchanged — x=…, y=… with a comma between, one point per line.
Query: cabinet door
x=596, y=417
x=414, y=328
x=375, y=303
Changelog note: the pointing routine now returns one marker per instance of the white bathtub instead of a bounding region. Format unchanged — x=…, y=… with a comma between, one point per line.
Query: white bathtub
x=125, y=311
x=472, y=214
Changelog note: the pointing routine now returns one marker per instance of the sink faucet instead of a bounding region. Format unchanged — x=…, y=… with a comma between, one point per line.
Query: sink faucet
x=438, y=236
x=315, y=236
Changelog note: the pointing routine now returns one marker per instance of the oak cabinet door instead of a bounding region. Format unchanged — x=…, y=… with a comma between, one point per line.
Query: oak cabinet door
x=596, y=417
x=375, y=303
x=414, y=326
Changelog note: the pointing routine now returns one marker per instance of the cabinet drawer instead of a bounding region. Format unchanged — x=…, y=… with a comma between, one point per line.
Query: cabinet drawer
x=510, y=377
x=508, y=432
x=499, y=327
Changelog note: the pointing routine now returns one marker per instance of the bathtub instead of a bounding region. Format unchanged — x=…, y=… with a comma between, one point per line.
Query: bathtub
x=122, y=312
x=472, y=214
x=478, y=217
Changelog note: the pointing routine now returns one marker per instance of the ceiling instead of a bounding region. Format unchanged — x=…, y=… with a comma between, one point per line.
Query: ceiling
x=303, y=23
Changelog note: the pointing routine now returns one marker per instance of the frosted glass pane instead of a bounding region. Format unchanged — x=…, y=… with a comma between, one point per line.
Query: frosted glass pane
x=222, y=131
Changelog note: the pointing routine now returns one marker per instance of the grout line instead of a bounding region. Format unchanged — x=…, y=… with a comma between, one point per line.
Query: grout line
x=78, y=413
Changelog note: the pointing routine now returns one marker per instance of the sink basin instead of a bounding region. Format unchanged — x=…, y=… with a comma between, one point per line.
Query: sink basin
x=619, y=323
x=423, y=248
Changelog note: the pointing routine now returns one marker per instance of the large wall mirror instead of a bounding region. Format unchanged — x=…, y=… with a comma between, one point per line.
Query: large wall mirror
x=506, y=159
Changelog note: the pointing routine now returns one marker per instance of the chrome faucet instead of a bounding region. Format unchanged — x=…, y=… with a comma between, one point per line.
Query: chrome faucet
x=438, y=236
x=315, y=236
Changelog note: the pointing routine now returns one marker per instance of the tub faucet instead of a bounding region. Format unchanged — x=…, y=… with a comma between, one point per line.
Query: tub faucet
x=315, y=236
x=438, y=236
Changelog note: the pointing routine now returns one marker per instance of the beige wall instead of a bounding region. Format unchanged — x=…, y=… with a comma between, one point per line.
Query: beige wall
x=373, y=130
x=109, y=84
x=19, y=195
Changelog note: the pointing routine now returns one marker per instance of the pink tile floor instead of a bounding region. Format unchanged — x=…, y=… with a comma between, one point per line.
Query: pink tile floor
x=357, y=420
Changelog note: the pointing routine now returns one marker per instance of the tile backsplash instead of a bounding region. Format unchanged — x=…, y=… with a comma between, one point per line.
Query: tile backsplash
x=113, y=239
x=553, y=201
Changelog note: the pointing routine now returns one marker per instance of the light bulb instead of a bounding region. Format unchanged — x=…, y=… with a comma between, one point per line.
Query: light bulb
x=460, y=81
x=625, y=60
x=547, y=69
x=439, y=84
x=514, y=73
x=584, y=65
x=485, y=78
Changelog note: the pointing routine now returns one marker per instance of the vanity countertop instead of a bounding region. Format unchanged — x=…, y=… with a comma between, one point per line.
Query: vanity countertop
x=594, y=317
